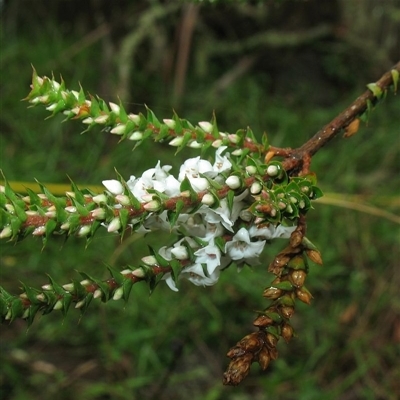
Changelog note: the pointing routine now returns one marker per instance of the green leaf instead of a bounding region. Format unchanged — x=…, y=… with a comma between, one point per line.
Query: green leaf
x=176, y=270
x=395, y=78
x=375, y=89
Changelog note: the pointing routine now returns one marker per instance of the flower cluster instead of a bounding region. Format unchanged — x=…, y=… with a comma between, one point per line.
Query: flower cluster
x=211, y=237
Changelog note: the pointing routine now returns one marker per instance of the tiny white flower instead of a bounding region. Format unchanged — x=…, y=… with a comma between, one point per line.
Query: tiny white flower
x=271, y=231
x=210, y=255
x=240, y=247
x=237, y=152
x=222, y=163
x=113, y=186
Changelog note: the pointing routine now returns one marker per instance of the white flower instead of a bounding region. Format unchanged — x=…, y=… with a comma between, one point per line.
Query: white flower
x=240, y=247
x=194, y=274
x=221, y=162
x=113, y=186
x=271, y=231
x=156, y=178
x=223, y=215
x=210, y=255
x=192, y=168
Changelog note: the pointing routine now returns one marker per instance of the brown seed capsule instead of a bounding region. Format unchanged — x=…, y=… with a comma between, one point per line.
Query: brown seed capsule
x=286, y=311
x=264, y=358
x=235, y=352
x=273, y=353
x=271, y=340
x=286, y=332
x=237, y=370
x=251, y=342
x=262, y=321
x=295, y=238
x=297, y=277
x=272, y=293
x=314, y=256
x=304, y=295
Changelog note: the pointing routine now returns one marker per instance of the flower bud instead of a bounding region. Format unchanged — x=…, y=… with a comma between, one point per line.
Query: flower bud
x=39, y=231
x=118, y=293
x=58, y=305
x=80, y=304
x=273, y=170
x=114, y=225
x=69, y=287
x=251, y=169
x=113, y=186
x=153, y=205
x=206, y=126
x=119, y=129
x=87, y=121
x=176, y=142
x=195, y=145
x=233, y=182
x=122, y=199
x=6, y=232
x=255, y=188
x=102, y=119
x=216, y=143
x=137, y=135
x=99, y=213
x=83, y=231
x=134, y=118
x=149, y=260
x=208, y=199
x=115, y=108
x=170, y=123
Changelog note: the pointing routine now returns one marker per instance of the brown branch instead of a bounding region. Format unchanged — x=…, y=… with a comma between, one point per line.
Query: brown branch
x=295, y=158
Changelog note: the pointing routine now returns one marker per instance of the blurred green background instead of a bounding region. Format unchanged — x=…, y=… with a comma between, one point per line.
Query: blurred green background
x=284, y=67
